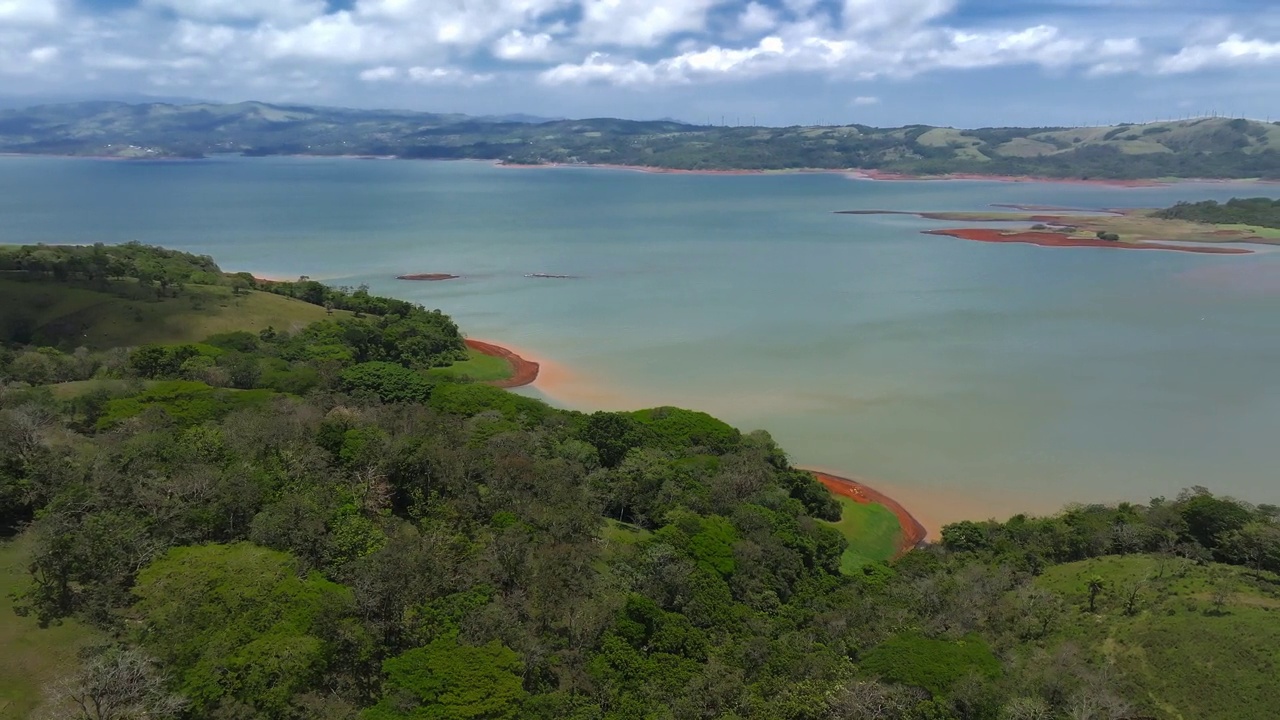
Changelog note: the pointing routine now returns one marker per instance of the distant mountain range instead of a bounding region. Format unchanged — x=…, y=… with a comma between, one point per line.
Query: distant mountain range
x=1206, y=147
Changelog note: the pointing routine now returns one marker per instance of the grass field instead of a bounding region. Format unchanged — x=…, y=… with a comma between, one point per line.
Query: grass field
x=30, y=656
x=478, y=367
x=1179, y=655
x=1264, y=232
x=872, y=531
x=76, y=316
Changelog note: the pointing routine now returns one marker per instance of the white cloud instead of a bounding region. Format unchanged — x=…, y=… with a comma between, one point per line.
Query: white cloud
x=1232, y=52
x=270, y=48
x=757, y=18
x=518, y=46
x=204, y=39
x=919, y=52
x=864, y=101
x=30, y=12
x=463, y=23
x=640, y=22
x=861, y=16
x=338, y=37
x=446, y=76
x=599, y=67
x=380, y=74
x=279, y=11
x=42, y=55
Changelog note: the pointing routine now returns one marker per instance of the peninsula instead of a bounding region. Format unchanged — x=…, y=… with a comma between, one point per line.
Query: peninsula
x=1206, y=228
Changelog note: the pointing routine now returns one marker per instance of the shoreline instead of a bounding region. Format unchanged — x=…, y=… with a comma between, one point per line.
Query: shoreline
x=913, y=533
x=852, y=173
x=1059, y=240
x=886, y=175
x=891, y=176
x=529, y=372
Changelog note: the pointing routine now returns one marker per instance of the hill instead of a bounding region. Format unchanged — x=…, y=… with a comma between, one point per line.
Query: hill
x=125, y=315
x=1191, y=640
x=1205, y=147
x=318, y=523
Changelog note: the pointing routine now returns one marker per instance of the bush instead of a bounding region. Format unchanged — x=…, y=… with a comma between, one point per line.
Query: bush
x=186, y=402
x=386, y=381
x=935, y=665
x=469, y=400
x=674, y=428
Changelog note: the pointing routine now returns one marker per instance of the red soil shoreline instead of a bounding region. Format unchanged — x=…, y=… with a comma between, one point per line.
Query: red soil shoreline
x=524, y=371
x=913, y=533
x=1055, y=239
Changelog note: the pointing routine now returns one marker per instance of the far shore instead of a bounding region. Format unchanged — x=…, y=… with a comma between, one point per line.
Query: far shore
x=853, y=173
x=887, y=176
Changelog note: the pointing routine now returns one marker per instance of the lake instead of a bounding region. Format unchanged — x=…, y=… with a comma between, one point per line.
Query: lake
x=967, y=379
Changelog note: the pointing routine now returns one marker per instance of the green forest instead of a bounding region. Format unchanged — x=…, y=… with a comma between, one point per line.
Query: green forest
x=296, y=518
x=1259, y=211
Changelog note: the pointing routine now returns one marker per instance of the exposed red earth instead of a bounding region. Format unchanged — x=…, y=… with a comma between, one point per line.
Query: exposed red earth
x=428, y=276
x=525, y=371
x=913, y=533
x=1056, y=239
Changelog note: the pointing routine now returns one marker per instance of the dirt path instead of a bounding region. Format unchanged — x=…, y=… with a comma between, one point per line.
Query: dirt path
x=913, y=533
x=525, y=371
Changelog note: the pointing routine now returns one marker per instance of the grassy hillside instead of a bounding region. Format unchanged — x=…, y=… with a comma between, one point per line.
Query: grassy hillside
x=66, y=315
x=872, y=531
x=1192, y=641
x=31, y=656
x=1204, y=147
x=478, y=367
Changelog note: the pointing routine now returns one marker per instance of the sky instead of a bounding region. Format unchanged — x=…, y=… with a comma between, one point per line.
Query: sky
x=964, y=63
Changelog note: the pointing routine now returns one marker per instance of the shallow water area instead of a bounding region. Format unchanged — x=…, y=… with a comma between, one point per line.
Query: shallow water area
x=966, y=378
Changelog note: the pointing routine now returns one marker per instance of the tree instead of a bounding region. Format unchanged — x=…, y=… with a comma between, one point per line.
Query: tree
x=1096, y=585
x=388, y=382
x=1131, y=594
x=1256, y=545
x=236, y=622
x=117, y=683
x=1209, y=518
x=449, y=681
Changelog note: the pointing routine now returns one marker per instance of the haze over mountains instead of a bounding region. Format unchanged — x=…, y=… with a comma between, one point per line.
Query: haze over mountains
x=1203, y=147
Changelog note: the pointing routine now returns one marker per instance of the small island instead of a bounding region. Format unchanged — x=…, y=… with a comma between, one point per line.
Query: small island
x=428, y=277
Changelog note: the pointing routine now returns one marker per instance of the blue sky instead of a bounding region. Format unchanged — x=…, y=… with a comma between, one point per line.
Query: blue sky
x=883, y=62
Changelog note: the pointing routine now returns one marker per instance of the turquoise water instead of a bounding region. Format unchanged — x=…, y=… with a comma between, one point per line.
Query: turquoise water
x=968, y=378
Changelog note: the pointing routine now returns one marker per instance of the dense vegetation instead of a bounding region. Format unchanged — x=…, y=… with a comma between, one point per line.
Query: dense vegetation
x=310, y=524
x=1259, y=211
x=1206, y=147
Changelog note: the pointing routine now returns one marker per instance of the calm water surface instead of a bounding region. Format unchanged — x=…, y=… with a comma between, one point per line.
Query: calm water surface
x=968, y=378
